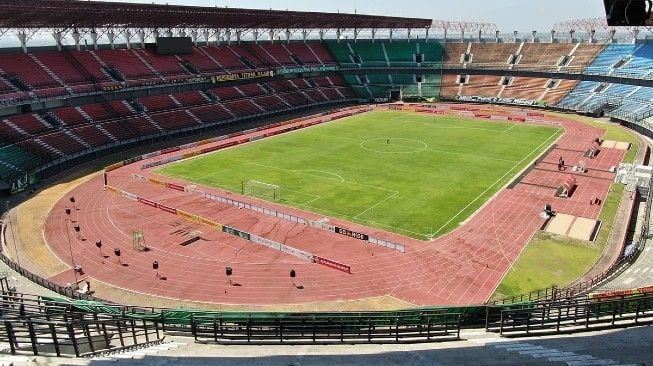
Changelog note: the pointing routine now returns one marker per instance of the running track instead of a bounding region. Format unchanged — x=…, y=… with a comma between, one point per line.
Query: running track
x=460, y=268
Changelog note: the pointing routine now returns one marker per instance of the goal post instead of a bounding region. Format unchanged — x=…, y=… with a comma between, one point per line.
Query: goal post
x=263, y=190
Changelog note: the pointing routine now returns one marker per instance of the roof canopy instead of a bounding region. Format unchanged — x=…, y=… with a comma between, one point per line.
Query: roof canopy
x=67, y=14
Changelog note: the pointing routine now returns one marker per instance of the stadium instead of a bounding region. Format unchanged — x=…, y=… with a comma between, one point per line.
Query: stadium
x=185, y=180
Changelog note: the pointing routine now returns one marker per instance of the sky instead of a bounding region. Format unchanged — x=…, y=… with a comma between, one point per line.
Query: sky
x=508, y=15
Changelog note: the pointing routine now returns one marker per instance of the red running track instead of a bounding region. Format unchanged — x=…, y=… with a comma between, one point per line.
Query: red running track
x=460, y=268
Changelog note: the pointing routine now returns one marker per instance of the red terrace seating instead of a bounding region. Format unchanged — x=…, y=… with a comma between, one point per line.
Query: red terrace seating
x=281, y=85
x=315, y=95
x=279, y=53
x=91, y=135
x=347, y=92
x=173, y=120
x=62, y=142
x=158, y=103
x=302, y=51
x=120, y=130
x=225, y=57
x=295, y=99
x=165, y=65
x=190, y=98
x=322, y=81
x=254, y=57
x=22, y=65
x=201, y=61
x=90, y=64
x=60, y=66
x=211, y=113
x=126, y=62
x=322, y=52
x=29, y=124
x=101, y=112
x=263, y=58
x=142, y=126
x=70, y=116
x=51, y=92
x=5, y=88
x=227, y=93
x=252, y=90
x=242, y=107
x=271, y=103
x=7, y=131
x=332, y=94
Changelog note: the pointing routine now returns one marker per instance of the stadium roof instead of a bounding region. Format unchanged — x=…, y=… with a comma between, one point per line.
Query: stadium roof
x=67, y=14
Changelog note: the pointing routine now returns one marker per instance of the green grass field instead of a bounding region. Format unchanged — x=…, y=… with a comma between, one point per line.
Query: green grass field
x=412, y=174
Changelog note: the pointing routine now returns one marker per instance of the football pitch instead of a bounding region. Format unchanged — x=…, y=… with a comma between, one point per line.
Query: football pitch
x=413, y=174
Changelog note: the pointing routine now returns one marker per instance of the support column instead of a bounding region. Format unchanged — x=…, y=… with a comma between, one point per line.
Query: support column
x=496, y=36
x=155, y=34
x=168, y=33
x=571, y=36
x=57, y=38
x=288, y=36
x=592, y=36
x=612, y=34
x=218, y=36
x=480, y=35
x=462, y=35
x=553, y=36
x=76, y=37
x=391, y=34
x=534, y=36
x=355, y=35
x=227, y=35
x=193, y=35
x=206, y=37
x=22, y=37
x=321, y=35
x=271, y=36
x=111, y=36
x=255, y=33
x=141, y=37
x=182, y=33
x=515, y=36
x=128, y=37
x=304, y=35
x=239, y=34
x=94, y=39
x=445, y=35
x=426, y=37
x=408, y=34
x=635, y=33
x=338, y=35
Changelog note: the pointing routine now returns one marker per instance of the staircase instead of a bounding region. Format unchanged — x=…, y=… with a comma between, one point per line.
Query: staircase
x=314, y=54
x=147, y=64
x=210, y=57
x=49, y=72
x=283, y=100
x=385, y=54
x=149, y=119
x=77, y=138
x=272, y=57
x=193, y=116
x=104, y=66
x=176, y=101
x=15, y=127
x=240, y=91
x=84, y=114
x=256, y=104
x=49, y=148
x=43, y=121
x=106, y=133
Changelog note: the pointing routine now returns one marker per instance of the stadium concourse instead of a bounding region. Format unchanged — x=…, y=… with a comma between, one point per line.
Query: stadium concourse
x=460, y=268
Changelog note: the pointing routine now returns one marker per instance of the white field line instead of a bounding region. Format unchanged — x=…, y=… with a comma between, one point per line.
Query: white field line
x=375, y=205
x=495, y=183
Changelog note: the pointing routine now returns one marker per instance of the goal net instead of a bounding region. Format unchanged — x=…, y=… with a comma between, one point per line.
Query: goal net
x=263, y=190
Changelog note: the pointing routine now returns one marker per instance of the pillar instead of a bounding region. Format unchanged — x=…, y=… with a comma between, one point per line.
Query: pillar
x=356, y=31
x=128, y=37
x=445, y=35
x=391, y=34
x=338, y=35
x=75, y=34
x=515, y=35
x=635, y=33
x=553, y=36
x=255, y=34
x=408, y=34
x=193, y=35
x=94, y=39
x=22, y=37
x=239, y=34
x=206, y=37
x=271, y=36
x=321, y=35
x=57, y=38
x=612, y=34
x=426, y=37
x=462, y=35
x=288, y=35
x=227, y=35
x=304, y=35
x=480, y=35
x=141, y=37
x=533, y=36
x=571, y=36
x=496, y=36
x=592, y=36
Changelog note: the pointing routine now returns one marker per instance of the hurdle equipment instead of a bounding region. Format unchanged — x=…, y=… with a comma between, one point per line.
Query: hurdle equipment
x=581, y=167
x=568, y=187
x=594, y=150
x=138, y=241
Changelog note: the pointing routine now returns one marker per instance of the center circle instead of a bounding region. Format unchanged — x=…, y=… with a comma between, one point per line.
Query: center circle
x=394, y=145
